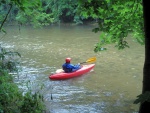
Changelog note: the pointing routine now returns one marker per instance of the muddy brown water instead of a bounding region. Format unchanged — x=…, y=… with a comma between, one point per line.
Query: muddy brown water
x=110, y=88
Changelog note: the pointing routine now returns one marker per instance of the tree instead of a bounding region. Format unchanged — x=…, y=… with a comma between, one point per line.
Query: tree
x=62, y=10
x=117, y=19
x=39, y=13
x=25, y=11
x=33, y=13
x=144, y=108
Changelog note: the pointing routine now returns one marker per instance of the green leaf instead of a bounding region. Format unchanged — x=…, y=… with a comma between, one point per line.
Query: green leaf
x=145, y=97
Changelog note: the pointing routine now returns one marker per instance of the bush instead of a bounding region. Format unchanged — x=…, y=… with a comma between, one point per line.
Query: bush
x=11, y=98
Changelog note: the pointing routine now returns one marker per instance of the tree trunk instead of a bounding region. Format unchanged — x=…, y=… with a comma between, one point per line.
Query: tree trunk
x=145, y=107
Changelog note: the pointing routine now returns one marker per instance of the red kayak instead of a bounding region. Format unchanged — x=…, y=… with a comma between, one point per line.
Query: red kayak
x=62, y=75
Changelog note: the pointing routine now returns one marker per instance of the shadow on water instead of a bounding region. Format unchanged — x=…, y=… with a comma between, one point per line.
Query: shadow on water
x=110, y=88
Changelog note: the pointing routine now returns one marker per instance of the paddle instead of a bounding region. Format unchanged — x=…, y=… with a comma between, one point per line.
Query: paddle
x=90, y=60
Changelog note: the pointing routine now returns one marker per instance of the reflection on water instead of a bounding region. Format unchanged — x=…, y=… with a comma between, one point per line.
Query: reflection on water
x=110, y=88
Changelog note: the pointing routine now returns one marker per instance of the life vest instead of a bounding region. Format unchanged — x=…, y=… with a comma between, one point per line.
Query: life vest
x=66, y=68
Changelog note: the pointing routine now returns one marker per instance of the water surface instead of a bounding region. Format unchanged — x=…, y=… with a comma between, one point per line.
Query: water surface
x=110, y=88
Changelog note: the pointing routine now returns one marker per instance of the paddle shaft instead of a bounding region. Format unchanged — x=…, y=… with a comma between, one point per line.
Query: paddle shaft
x=83, y=62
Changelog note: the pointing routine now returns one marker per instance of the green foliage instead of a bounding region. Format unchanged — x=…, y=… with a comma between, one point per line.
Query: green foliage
x=11, y=98
x=145, y=97
x=25, y=11
x=32, y=103
x=61, y=10
x=34, y=14
x=116, y=18
x=35, y=18
x=2, y=2
x=98, y=47
x=9, y=60
x=40, y=13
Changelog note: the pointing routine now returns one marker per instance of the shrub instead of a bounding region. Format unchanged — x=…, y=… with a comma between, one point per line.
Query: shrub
x=12, y=99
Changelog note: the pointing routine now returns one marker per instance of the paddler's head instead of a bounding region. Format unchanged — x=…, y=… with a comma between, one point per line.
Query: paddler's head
x=68, y=60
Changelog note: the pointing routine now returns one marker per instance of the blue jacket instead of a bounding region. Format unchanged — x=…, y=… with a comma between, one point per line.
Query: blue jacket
x=67, y=67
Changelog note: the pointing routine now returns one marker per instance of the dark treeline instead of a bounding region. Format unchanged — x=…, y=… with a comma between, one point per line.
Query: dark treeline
x=41, y=13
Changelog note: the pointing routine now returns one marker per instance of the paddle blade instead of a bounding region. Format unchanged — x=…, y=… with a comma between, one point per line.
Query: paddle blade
x=91, y=60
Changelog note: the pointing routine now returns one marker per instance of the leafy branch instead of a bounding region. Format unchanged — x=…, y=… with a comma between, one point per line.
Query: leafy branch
x=145, y=97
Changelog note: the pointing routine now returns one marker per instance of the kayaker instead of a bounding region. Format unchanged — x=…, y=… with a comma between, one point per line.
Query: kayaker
x=68, y=67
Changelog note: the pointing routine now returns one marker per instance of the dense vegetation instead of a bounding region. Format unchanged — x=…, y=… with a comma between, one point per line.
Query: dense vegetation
x=12, y=99
x=116, y=19
x=37, y=13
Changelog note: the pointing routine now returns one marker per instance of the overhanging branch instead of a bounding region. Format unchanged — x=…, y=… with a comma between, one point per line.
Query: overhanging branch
x=5, y=17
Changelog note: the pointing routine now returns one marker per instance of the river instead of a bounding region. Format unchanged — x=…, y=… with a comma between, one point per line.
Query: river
x=111, y=88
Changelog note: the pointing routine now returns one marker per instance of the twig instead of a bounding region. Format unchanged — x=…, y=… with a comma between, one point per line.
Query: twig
x=6, y=17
